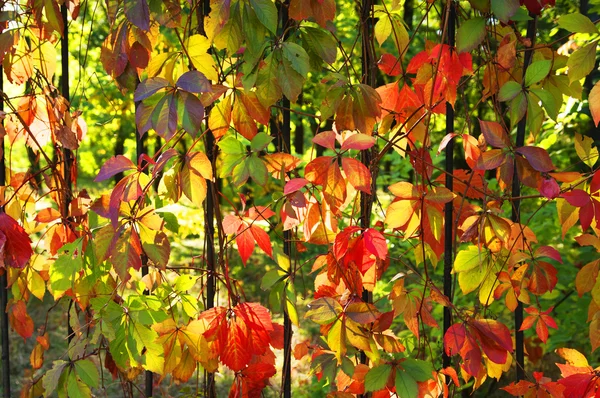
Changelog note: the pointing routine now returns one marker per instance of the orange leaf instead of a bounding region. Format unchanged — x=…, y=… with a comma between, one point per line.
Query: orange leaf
x=20, y=319
x=358, y=174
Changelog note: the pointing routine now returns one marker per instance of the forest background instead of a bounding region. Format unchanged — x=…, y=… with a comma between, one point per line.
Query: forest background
x=309, y=198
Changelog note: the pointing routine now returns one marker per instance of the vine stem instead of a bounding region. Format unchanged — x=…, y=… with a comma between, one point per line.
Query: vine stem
x=284, y=143
x=369, y=69
x=140, y=149
x=210, y=204
x=516, y=210
x=67, y=154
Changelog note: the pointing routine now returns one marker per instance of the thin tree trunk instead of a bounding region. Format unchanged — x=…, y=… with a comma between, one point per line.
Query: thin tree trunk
x=516, y=213
x=4, y=282
x=409, y=12
x=449, y=207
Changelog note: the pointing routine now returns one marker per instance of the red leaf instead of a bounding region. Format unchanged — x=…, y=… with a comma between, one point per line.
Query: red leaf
x=259, y=371
x=277, y=336
x=496, y=331
x=375, y=243
x=245, y=244
x=115, y=165
x=548, y=251
x=259, y=212
x=577, y=197
x=236, y=353
x=325, y=139
x=535, y=6
x=471, y=355
x=231, y=224
x=537, y=157
x=294, y=185
x=390, y=65
x=263, y=240
x=581, y=385
x=359, y=142
x=15, y=249
x=454, y=339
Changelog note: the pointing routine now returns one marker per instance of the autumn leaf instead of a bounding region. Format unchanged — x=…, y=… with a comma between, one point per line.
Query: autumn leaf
x=15, y=243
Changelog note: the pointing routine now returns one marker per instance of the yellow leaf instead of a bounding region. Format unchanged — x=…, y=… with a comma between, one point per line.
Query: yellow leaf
x=197, y=47
x=584, y=149
x=573, y=357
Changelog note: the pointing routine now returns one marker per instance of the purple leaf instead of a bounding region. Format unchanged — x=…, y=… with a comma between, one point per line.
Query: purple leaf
x=537, y=157
x=194, y=82
x=115, y=165
x=148, y=87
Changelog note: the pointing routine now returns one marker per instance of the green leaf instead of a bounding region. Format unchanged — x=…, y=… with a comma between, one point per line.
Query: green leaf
x=87, y=372
x=231, y=146
x=470, y=34
x=582, y=61
x=323, y=310
x=377, y=377
x=468, y=259
x=63, y=271
x=257, y=169
x=481, y=5
x=240, y=174
x=290, y=303
x=185, y=282
x=577, y=23
x=260, y=142
x=537, y=71
x=509, y=90
x=419, y=370
x=233, y=153
x=272, y=277
x=289, y=80
x=76, y=388
x=406, y=385
x=52, y=377
x=321, y=42
x=518, y=108
x=297, y=56
x=548, y=101
x=505, y=9
x=522, y=15
x=268, y=90
x=266, y=12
